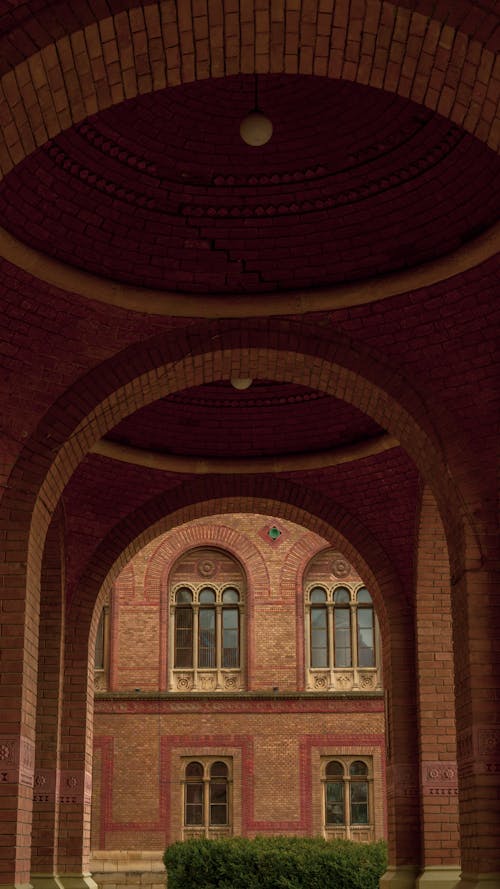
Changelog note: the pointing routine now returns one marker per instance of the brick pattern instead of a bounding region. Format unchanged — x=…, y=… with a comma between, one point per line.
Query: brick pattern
x=345, y=189
x=435, y=689
x=84, y=70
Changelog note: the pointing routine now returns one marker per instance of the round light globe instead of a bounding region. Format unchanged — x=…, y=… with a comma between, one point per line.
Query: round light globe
x=256, y=129
x=241, y=382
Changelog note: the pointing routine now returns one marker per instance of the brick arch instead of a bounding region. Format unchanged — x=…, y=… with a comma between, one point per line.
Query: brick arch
x=283, y=499
x=187, y=538
x=200, y=355
x=148, y=48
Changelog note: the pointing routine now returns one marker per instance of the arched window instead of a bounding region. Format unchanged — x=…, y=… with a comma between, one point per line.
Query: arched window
x=347, y=804
x=366, y=629
x=334, y=793
x=207, y=797
x=183, y=628
x=319, y=628
x=341, y=638
x=358, y=772
x=205, y=635
x=342, y=623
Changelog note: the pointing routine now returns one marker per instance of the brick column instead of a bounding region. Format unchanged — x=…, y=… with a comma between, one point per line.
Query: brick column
x=476, y=613
x=18, y=666
x=436, y=697
x=403, y=816
x=75, y=785
x=48, y=724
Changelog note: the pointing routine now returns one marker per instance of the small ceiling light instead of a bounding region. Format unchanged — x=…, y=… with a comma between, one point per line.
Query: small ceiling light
x=241, y=382
x=256, y=129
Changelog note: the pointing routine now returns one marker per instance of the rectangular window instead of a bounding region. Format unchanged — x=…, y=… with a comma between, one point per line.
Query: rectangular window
x=319, y=637
x=366, y=647
x=343, y=655
x=206, y=640
x=230, y=637
x=183, y=637
x=99, y=644
x=359, y=802
x=194, y=804
x=218, y=803
x=335, y=813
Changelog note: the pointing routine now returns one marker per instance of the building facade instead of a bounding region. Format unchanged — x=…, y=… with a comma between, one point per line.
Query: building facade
x=238, y=692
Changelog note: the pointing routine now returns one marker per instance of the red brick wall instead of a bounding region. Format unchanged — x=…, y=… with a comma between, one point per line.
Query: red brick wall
x=275, y=740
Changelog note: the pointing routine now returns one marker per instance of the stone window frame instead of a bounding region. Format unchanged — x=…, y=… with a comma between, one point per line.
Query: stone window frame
x=361, y=832
x=206, y=829
x=217, y=678
x=101, y=650
x=344, y=678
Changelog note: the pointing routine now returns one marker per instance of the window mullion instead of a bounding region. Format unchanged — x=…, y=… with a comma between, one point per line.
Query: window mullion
x=195, y=636
x=218, y=637
x=354, y=634
x=331, y=635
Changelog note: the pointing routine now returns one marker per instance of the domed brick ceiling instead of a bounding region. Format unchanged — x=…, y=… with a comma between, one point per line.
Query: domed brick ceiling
x=161, y=191
x=267, y=419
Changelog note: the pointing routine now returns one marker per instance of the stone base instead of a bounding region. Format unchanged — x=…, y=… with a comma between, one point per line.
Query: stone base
x=76, y=881
x=402, y=877
x=439, y=877
x=45, y=881
x=117, y=870
x=479, y=881
x=16, y=886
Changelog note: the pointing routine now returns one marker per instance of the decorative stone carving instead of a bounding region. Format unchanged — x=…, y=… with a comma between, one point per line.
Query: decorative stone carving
x=344, y=681
x=184, y=681
x=320, y=681
x=230, y=681
x=207, y=681
x=340, y=567
x=367, y=680
x=440, y=778
x=207, y=568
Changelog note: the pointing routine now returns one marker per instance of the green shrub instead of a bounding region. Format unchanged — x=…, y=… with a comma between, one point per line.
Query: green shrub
x=274, y=863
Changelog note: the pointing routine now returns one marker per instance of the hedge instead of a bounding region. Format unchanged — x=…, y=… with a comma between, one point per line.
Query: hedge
x=274, y=863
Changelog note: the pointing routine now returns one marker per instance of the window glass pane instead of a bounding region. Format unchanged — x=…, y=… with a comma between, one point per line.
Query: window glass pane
x=230, y=596
x=99, y=644
x=358, y=768
x=194, y=770
x=183, y=637
x=207, y=596
x=364, y=597
x=218, y=815
x=333, y=769
x=184, y=596
x=319, y=637
x=366, y=646
x=359, y=802
x=342, y=621
x=194, y=803
x=206, y=640
x=334, y=813
x=318, y=594
x=341, y=596
x=230, y=637
x=218, y=770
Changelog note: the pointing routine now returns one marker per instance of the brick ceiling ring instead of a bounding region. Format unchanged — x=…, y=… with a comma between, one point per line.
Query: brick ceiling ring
x=331, y=375
x=244, y=466
x=136, y=51
x=299, y=302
